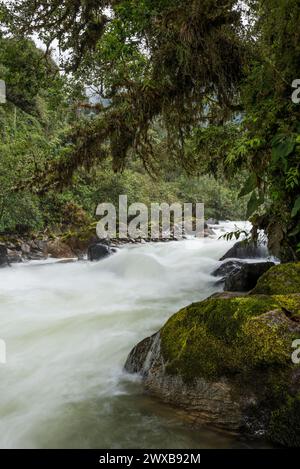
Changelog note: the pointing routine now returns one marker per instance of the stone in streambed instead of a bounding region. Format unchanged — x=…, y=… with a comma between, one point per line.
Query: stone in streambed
x=14, y=256
x=239, y=275
x=246, y=277
x=227, y=268
x=246, y=250
x=3, y=255
x=98, y=251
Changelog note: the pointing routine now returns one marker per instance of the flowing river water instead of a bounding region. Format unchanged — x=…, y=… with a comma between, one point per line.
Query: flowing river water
x=68, y=329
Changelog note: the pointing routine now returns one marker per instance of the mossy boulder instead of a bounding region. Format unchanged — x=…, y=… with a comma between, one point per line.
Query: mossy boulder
x=227, y=361
x=281, y=279
x=226, y=337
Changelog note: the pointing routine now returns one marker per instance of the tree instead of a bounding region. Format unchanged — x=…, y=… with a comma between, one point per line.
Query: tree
x=270, y=131
x=32, y=123
x=153, y=59
x=218, y=85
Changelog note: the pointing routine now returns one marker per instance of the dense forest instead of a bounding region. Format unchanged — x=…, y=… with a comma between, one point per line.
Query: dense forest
x=43, y=107
x=194, y=102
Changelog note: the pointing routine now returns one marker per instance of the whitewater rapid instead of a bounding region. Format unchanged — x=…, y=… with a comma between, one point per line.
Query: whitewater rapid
x=68, y=329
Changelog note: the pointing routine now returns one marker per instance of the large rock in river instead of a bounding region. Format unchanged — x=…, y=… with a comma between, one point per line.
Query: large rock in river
x=237, y=275
x=227, y=361
x=246, y=277
x=246, y=250
x=227, y=267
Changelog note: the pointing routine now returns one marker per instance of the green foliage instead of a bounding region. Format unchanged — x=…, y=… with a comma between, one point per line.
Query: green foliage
x=249, y=186
x=187, y=82
x=296, y=207
x=274, y=120
x=32, y=124
x=103, y=185
x=34, y=127
x=148, y=59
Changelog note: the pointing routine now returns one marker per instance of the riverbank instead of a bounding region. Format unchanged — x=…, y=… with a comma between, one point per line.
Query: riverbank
x=70, y=245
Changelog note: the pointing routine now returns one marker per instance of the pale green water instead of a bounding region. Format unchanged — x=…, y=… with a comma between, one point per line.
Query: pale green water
x=68, y=330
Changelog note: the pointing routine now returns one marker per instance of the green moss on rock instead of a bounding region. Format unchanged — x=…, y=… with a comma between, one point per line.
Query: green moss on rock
x=221, y=337
x=284, y=427
x=290, y=303
x=279, y=280
x=247, y=341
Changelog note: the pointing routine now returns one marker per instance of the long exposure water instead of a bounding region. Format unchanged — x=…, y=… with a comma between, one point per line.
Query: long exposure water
x=68, y=329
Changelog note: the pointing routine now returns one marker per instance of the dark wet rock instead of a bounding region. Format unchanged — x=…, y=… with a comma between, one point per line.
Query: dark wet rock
x=98, y=251
x=3, y=255
x=142, y=357
x=227, y=268
x=25, y=248
x=246, y=276
x=38, y=250
x=246, y=250
x=80, y=245
x=36, y=256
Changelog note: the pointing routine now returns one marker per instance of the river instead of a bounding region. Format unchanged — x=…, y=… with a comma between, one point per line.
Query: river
x=68, y=329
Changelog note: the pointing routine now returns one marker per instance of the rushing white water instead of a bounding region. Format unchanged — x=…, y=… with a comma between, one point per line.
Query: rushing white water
x=68, y=329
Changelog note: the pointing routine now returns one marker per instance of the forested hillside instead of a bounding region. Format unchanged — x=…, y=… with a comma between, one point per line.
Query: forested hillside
x=204, y=87
x=42, y=107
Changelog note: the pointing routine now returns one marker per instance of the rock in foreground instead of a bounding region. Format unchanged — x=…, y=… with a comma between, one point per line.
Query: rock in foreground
x=227, y=361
